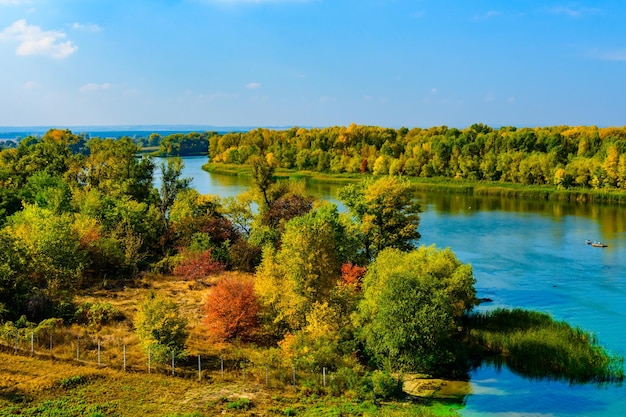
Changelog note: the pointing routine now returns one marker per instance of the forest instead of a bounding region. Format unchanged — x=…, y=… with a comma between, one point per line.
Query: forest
x=566, y=157
x=352, y=292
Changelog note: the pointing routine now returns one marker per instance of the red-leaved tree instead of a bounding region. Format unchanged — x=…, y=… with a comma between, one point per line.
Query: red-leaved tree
x=232, y=309
x=352, y=274
x=197, y=265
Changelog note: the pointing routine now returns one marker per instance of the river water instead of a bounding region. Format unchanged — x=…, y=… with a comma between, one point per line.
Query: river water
x=529, y=254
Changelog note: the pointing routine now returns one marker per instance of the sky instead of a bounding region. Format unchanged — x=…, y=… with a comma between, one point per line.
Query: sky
x=254, y=63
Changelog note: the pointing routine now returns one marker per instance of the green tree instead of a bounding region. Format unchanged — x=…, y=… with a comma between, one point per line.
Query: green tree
x=161, y=328
x=386, y=212
x=262, y=176
x=171, y=185
x=305, y=269
x=412, y=308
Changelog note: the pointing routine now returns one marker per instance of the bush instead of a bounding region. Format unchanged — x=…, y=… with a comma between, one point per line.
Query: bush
x=97, y=314
x=386, y=386
x=232, y=309
x=161, y=329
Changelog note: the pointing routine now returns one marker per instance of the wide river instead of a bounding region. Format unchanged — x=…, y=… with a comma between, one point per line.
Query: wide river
x=529, y=254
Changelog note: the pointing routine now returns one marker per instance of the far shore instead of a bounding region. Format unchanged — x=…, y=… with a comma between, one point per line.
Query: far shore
x=459, y=186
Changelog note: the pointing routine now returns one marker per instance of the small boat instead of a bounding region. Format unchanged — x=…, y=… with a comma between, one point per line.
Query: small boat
x=588, y=242
x=599, y=245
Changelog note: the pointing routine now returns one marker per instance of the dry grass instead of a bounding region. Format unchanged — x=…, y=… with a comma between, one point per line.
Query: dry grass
x=60, y=385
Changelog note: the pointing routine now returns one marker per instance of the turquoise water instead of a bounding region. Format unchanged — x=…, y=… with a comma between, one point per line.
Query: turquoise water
x=529, y=254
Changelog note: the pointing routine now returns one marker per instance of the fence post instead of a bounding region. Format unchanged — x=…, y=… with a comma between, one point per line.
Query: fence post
x=78, y=348
x=173, y=362
x=50, y=345
x=32, y=342
x=124, y=357
x=324, y=377
x=98, y=353
x=17, y=335
x=149, y=359
x=199, y=369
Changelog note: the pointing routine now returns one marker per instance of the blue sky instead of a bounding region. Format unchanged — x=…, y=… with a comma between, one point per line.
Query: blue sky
x=312, y=62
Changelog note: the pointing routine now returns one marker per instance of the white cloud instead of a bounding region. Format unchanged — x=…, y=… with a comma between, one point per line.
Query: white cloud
x=573, y=11
x=34, y=41
x=13, y=2
x=618, y=55
x=88, y=27
x=253, y=85
x=254, y=1
x=93, y=87
x=30, y=85
x=488, y=15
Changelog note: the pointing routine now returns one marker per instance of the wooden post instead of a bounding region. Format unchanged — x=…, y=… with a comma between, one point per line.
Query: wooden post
x=124, y=357
x=199, y=369
x=324, y=377
x=173, y=362
x=32, y=342
x=149, y=359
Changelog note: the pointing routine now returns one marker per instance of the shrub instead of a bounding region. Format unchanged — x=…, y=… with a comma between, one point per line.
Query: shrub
x=232, y=309
x=161, y=328
x=97, y=314
x=197, y=265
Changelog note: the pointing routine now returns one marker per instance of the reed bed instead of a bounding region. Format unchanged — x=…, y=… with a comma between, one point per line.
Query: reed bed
x=536, y=346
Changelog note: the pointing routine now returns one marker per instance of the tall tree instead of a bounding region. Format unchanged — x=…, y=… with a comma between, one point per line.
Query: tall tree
x=386, y=213
x=171, y=185
x=262, y=176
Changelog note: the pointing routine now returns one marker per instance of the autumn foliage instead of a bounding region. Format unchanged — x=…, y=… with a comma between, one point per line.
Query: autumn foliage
x=197, y=265
x=231, y=309
x=352, y=274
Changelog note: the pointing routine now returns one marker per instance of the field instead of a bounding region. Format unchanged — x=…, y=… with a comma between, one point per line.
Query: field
x=79, y=382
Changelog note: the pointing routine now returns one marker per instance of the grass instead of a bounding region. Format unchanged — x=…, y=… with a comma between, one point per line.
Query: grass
x=59, y=385
x=31, y=386
x=536, y=346
x=445, y=185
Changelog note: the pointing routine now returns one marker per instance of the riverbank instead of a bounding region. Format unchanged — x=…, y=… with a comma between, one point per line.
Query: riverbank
x=445, y=185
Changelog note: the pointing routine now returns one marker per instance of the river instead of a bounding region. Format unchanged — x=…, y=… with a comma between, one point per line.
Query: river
x=529, y=254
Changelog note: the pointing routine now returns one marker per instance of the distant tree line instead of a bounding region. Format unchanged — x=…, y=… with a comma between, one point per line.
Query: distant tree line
x=562, y=156
x=178, y=144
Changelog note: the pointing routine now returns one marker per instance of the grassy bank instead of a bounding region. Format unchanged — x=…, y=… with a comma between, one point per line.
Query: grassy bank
x=445, y=185
x=30, y=386
x=58, y=383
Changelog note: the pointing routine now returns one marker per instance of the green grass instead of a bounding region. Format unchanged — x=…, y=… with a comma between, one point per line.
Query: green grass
x=536, y=346
x=445, y=185
x=31, y=386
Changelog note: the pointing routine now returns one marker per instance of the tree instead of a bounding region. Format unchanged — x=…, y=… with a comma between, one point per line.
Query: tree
x=305, y=269
x=262, y=176
x=232, y=308
x=171, y=185
x=412, y=307
x=161, y=328
x=386, y=213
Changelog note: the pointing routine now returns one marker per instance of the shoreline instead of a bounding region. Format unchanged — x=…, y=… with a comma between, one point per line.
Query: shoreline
x=445, y=185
